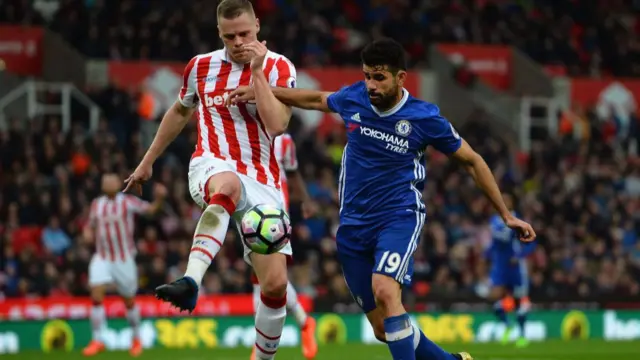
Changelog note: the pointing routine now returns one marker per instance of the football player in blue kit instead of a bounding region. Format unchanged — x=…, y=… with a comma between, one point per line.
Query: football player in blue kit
x=381, y=183
x=509, y=275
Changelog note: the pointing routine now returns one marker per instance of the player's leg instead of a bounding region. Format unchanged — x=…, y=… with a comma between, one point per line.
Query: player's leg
x=217, y=189
x=393, y=268
x=99, y=277
x=125, y=276
x=256, y=302
x=498, y=295
x=306, y=323
x=271, y=271
x=522, y=304
x=133, y=318
x=500, y=299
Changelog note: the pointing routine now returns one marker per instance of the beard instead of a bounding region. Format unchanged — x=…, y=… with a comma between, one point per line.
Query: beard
x=384, y=101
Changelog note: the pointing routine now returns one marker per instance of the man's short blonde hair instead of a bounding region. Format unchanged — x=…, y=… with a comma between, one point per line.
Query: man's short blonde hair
x=231, y=9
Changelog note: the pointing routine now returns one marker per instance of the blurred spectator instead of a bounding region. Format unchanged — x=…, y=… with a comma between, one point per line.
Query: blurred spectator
x=585, y=37
x=55, y=240
x=580, y=189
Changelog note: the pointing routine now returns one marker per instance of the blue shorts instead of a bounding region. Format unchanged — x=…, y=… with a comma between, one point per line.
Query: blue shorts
x=514, y=278
x=385, y=247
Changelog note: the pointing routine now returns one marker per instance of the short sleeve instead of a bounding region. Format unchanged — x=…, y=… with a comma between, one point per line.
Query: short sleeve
x=188, y=95
x=336, y=101
x=284, y=74
x=136, y=205
x=442, y=135
x=289, y=159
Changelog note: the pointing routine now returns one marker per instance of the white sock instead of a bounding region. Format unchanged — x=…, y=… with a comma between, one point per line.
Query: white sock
x=207, y=241
x=294, y=307
x=133, y=317
x=98, y=321
x=269, y=324
x=256, y=297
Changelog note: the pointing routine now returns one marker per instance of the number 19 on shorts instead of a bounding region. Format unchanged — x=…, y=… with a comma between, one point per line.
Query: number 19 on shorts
x=389, y=263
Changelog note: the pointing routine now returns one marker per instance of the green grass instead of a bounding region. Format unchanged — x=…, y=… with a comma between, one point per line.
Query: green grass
x=549, y=350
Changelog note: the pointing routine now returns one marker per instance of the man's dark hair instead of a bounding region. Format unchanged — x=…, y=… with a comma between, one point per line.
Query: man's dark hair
x=383, y=52
x=231, y=9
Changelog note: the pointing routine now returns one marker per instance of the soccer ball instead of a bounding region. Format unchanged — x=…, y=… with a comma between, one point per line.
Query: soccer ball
x=265, y=229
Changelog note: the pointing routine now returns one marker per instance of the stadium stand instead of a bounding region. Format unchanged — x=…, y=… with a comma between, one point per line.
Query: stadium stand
x=574, y=34
x=581, y=190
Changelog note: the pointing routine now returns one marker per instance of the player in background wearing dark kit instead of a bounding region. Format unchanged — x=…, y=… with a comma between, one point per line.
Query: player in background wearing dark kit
x=381, y=184
x=509, y=276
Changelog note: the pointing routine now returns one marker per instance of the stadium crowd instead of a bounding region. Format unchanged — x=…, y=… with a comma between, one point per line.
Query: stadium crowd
x=586, y=37
x=581, y=194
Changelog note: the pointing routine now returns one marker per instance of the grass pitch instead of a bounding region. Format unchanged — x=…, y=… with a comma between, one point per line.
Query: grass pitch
x=548, y=350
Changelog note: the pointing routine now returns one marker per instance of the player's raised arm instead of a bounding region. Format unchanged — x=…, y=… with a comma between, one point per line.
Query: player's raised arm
x=273, y=112
x=174, y=120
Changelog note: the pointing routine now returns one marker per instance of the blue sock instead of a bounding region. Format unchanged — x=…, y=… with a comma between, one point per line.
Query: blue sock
x=427, y=349
x=500, y=313
x=523, y=311
x=522, y=319
x=399, y=334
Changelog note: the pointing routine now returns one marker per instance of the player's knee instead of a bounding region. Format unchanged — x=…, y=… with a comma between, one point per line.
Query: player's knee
x=386, y=291
x=97, y=295
x=275, y=284
x=129, y=302
x=226, y=183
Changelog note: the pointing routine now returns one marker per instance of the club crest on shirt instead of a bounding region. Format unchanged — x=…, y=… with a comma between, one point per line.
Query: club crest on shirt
x=291, y=82
x=403, y=128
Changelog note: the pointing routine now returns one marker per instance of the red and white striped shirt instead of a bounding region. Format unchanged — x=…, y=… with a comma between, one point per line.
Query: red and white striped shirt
x=285, y=151
x=235, y=133
x=113, y=221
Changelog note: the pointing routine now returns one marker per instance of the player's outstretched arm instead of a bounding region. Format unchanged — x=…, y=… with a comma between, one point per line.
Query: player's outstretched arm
x=300, y=98
x=174, y=120
x=172, y=124
x=304, y=98
x=159, y=195
x=475, y=165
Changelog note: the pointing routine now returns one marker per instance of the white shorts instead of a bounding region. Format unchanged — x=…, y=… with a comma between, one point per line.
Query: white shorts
x=253, y=193
x=124, y=274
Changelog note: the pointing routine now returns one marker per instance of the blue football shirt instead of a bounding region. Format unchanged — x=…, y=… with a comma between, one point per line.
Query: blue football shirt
x=505, y=244
x=383, y=164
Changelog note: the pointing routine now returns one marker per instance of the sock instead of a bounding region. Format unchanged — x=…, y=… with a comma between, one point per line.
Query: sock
x=294, y=306
x=209, y=235
x=133, y=317
x=426, y=349
x=256, y=297
x=523, y=310
x=500, y=313
x=98, y=321
x=269, y=324
x=399, y=335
